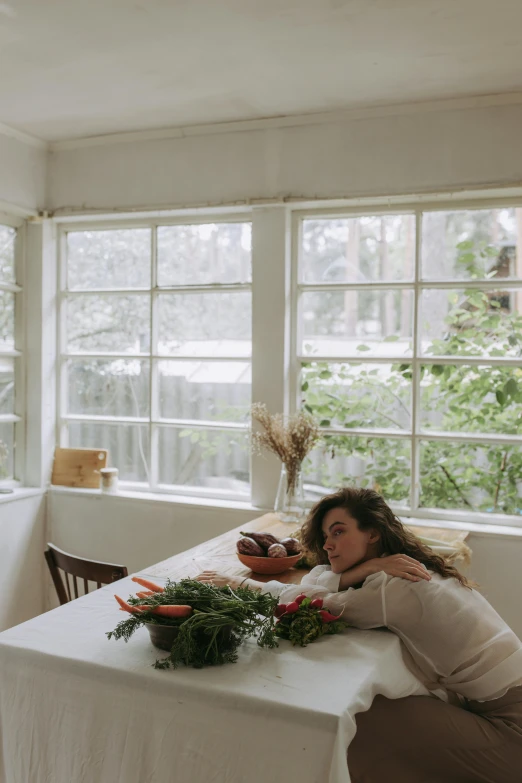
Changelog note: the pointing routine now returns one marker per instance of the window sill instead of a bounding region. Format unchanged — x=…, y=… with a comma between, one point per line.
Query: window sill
x=151, y=497
x=473, y=528
x=19, y=493
x=190, y=501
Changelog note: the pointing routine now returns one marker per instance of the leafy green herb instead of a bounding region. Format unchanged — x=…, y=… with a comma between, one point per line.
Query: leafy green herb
x=222, y=619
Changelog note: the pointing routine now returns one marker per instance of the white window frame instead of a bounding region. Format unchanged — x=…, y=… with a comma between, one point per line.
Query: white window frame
x=18, y=417
x=401, y=205
x=153, y=421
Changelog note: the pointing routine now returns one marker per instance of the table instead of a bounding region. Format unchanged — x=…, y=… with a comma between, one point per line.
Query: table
x=219, y=553
x=77, y=708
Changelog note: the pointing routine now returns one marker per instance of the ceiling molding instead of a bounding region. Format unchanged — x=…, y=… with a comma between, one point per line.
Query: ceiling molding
x=319, y=118
x=25, y=138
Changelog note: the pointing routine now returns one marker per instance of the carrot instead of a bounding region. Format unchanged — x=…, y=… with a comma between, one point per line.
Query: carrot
x=172, y=610
x=141, y=608
x=145, y=593
x=128, y=608
x=148, y=584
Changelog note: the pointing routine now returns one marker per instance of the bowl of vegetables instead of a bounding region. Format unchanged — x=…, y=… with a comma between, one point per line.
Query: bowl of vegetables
x=197, y=624
x=264, y=553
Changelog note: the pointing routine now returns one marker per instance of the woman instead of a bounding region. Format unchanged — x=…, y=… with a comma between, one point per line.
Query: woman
x=452, y=639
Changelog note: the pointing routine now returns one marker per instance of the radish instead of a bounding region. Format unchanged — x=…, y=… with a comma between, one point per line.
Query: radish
x=300, y=598
x=326, y=617
x=292, y=607
x=317, y=603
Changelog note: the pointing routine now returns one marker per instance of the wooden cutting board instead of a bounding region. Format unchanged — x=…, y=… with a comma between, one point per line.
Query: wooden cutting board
x=78, y=467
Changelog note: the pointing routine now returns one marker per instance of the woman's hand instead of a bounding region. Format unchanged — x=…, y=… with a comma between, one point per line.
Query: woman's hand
x=222, y=580
x=400, y=565
x=219, y=580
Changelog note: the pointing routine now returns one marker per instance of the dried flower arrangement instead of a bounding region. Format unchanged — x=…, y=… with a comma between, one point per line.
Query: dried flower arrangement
x=290, y=438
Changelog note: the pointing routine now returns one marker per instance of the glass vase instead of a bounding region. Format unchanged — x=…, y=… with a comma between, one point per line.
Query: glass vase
x=290, y=503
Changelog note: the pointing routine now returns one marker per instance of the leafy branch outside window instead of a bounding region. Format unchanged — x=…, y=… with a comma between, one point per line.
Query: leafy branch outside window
x=453, y=399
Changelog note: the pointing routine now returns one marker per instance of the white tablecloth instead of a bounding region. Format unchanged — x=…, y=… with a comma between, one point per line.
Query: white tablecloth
x=78, y=708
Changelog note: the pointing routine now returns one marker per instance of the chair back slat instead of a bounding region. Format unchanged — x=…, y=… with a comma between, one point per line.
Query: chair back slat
x=68, y=586
x=85, y=586
x=78, y=567
x=56, y=577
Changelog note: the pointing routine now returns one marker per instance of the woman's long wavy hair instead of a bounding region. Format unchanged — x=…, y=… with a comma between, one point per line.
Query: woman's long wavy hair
x=370, y=510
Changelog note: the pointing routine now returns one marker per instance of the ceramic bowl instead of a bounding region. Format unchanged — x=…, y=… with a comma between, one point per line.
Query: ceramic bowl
x=162, y=636
x=268, y=565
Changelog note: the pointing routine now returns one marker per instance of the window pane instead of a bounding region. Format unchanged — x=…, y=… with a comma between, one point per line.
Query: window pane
x=7, y=254
x=357, y=323
x=210, y=459
x=471, y=322
x=206, y=253
x=7, y=321
x=205, y=390
x=205, y=324
x=7, y=375
x=368, y=248
x=358, y=395
x=109, y=323
x=128, y=445
x=471, y=477
x=471, y=399
x=470, y=244
x=6, y=450
x=376, y=463
x=108, y=259
x=108, y=388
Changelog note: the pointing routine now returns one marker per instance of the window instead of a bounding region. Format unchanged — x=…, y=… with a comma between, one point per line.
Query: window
x=156, y=351
x=408, y=337
x=11, y=393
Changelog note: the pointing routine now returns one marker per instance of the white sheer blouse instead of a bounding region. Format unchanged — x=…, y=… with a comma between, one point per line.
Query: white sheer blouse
x=452, y=637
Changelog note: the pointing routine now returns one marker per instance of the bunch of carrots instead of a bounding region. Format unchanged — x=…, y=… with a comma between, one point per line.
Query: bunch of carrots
x=212, y=621
x=175, y=611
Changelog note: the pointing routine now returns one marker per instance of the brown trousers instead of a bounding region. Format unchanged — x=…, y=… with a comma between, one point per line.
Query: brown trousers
x=421, y=739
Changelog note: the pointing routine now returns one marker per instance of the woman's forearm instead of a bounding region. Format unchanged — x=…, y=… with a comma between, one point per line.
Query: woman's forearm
x=350, y=578
x=356, y=575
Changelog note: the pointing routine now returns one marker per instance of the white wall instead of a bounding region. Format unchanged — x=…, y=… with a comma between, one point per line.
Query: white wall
x=496, y=566
x=22, y=564
x=23, y=172
x=401, y=150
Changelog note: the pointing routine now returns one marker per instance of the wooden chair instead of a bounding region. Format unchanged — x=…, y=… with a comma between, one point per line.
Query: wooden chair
x=78, y=568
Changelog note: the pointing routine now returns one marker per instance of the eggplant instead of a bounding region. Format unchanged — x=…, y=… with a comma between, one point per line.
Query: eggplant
x=264, y=540
x=277, y=550
x=292, y=545
x=247, y=546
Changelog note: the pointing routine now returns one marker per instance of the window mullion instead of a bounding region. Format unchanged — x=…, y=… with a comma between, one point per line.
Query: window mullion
x=154, y=363
x=270, y=332
x=20, y=345
x=415, y=389
x=62, y=435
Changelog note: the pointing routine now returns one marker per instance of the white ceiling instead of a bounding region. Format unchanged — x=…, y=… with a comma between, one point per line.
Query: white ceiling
x=74, y=68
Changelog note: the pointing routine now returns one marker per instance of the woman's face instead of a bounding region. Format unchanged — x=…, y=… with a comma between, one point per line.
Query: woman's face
x=344, y=543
